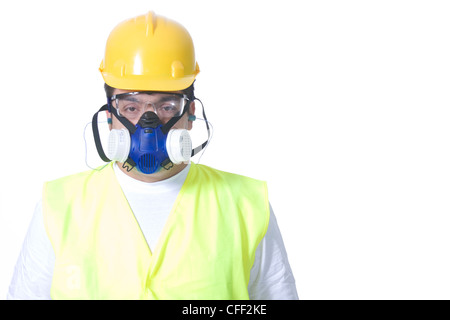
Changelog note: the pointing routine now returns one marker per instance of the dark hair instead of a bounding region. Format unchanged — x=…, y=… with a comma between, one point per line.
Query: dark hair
x=189, y=91
x=109, y=91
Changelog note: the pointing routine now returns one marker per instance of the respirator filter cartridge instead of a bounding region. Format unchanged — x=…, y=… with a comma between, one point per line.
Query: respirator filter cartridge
x=179, y=145
x=118, y=145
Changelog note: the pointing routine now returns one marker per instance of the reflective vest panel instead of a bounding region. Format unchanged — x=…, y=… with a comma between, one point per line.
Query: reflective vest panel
x=205, y=251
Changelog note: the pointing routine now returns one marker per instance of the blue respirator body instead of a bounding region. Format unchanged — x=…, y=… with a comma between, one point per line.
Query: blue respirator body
x=150, y=147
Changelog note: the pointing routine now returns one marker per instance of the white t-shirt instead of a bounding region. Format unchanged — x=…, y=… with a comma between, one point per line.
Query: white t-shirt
x=270, y=277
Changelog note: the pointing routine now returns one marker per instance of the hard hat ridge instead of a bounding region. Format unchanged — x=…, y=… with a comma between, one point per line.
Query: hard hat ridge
x=150, y=22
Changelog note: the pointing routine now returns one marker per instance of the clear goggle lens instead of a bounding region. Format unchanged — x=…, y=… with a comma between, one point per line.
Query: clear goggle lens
x=134, y=104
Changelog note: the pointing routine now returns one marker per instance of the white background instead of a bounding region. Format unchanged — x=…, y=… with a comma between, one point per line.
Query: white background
x=342, y=106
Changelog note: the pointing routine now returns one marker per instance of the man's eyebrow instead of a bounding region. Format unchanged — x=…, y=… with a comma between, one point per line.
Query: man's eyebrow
x=163, y=98
x=166, y=98
x=130, y=98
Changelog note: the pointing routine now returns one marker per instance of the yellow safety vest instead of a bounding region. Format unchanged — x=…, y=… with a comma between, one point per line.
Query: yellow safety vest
x=205, y=251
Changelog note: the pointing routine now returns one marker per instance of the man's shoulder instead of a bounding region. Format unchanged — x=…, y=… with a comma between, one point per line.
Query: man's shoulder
x=204, y=171
x=78, y=177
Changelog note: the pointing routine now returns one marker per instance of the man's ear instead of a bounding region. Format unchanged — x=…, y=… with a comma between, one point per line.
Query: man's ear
x=109, y=119
x=191, y=115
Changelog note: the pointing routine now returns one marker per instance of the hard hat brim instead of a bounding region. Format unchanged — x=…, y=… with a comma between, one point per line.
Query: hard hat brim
x=139, y=83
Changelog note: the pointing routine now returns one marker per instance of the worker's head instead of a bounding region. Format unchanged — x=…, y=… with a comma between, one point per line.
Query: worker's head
x=149, y=53
x=149, y=69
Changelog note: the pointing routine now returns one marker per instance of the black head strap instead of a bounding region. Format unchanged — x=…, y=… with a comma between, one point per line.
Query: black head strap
x=166, y=128
x=131, y=127
x=98, y=143
x=204, y=144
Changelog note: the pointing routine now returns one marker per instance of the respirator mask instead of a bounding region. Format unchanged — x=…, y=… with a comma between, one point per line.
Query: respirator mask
x=151, y=144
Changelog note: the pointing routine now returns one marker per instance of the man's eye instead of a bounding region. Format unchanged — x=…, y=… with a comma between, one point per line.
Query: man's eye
x=168, y=108
x=130, y=108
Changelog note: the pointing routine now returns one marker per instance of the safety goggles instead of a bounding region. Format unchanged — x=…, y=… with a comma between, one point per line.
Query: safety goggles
x=132, y=105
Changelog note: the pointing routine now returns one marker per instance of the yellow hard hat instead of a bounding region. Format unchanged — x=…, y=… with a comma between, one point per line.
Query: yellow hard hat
x=149, y=53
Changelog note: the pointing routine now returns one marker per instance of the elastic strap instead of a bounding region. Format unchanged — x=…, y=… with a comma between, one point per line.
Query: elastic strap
x=131, y=127
x=166, y=128
x=98, y=143
x=204, y=144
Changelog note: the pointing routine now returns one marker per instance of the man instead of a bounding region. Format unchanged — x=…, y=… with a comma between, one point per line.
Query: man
x=151, y=224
